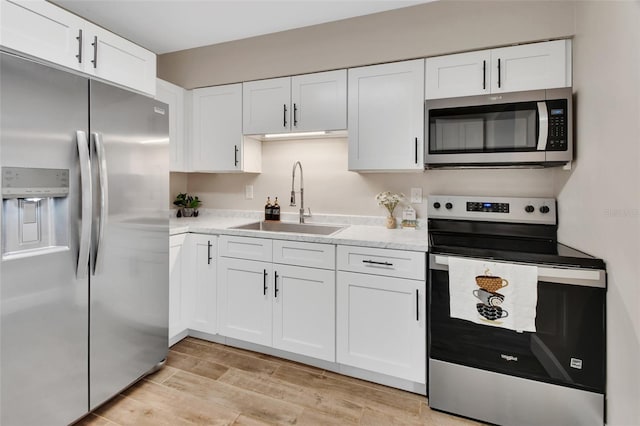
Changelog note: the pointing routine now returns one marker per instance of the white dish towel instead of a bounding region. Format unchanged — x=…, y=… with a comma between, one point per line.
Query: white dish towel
x=509, y=297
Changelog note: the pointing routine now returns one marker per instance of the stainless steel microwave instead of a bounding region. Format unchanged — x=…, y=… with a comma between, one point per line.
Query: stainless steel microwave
x=520, y=129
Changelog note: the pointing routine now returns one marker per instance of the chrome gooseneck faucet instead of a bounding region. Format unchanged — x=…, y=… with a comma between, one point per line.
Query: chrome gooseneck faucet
x=293, y=193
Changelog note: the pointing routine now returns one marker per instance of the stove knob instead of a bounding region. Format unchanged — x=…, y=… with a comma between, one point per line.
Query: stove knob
x=544, y=209
x=449, y=206
x=529, y=209
x=436, y=205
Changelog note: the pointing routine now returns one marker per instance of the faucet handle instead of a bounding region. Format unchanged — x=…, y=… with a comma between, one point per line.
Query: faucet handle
x=309, y=214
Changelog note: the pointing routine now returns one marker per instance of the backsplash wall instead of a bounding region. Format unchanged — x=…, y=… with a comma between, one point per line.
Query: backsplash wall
x=330, y=188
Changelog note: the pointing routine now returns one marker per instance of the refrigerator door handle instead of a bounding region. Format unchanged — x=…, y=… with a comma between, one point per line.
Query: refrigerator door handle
x=86, y=201
x=104, y=200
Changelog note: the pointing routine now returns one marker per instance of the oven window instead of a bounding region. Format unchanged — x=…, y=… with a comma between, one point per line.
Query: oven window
x=491, y=128
x=568, y=347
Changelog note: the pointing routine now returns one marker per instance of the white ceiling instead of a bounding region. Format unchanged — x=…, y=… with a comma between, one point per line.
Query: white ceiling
x=169, y=25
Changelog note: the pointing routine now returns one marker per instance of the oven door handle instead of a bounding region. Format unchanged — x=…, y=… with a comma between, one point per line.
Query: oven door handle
x=546, y=273
x=543, y=126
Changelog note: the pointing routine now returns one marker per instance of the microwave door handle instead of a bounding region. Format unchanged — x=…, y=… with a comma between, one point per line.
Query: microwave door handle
x=543, y=121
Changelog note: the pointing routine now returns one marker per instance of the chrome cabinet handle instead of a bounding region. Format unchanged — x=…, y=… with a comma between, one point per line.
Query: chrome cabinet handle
x=95, y=52
x=416, y=151
x=79, y=55
x=84, y=246
x=275, y=285
x=499, y=73
x=104, y=200
x=209, y=253
x=235, y=155
x=373, y=262
x=417, y=304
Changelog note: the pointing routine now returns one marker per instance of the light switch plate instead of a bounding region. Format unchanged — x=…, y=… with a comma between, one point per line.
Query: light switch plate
x=248, y=192
x=416, y=195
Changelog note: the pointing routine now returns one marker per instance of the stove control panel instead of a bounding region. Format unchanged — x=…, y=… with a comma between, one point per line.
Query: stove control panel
x=493, y=209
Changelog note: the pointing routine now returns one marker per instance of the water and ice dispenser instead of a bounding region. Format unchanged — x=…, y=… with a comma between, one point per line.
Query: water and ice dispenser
x=35, y=211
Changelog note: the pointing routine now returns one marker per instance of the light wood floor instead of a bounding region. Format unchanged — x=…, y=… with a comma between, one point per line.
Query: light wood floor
x=206, y=383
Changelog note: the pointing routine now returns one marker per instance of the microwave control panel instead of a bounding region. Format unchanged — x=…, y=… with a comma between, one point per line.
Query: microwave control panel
x=557, y=139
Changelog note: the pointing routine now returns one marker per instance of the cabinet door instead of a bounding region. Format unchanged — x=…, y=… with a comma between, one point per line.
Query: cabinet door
x=304, y=311
x=319, y=101
x=204, y=298
x=116, y=59
x=463, y=74
x=43, y=30
x=381, y=325
x=217, y=129
x=531, y=66
x=173, y=96
x=386, y=116
x=265, y=106
x=244, y=300
x=177, y=296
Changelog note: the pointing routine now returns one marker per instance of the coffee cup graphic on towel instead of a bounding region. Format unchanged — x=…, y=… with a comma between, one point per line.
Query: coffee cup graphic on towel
x=491, y=283
x=489, y=298
x=491, y=313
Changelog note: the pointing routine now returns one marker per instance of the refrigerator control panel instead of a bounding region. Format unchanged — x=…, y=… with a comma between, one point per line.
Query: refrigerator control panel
x=27, y=182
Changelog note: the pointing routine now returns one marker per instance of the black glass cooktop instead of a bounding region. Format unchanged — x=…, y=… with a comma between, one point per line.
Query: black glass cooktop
x=505, y=241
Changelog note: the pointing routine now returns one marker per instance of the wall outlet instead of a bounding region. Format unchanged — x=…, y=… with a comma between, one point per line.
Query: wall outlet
x=248, y=192
x=416, y=195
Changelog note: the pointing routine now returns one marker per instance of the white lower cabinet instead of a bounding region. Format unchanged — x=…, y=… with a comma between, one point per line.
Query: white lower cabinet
x=288, y=305
x=381, y=319
x=177, y=298
x=244, y=299
x=304, y=311
x=203, y=300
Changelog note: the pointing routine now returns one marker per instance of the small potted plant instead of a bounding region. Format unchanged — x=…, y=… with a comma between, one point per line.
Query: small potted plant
x=187, y=205
x=389, y=201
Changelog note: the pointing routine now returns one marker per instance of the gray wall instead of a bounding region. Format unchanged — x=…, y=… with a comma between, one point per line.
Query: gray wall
x=424, y=30
x=607, y=86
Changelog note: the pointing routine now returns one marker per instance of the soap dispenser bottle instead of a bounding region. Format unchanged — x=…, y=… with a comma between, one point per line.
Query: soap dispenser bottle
x=268, y=210
x=275, y=211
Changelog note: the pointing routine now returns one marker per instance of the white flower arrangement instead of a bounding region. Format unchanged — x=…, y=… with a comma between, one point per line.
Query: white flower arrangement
x=389, y=200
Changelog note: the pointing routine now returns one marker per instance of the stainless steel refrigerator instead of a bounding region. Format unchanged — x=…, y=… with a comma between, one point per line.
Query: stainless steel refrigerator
x=84, y=277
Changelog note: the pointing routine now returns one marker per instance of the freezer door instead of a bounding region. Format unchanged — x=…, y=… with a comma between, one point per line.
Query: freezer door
x=43, y=329
x=129, y=282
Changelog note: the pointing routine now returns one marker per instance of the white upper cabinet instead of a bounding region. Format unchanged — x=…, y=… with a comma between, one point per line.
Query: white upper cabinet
x=217, y=143
x=319, y=101
x=462, y=74
x=509, y=69
x=115, y=59
x=531, y=66
x=174, y=96
x=266, y=106
x=42, y=30
x=386, y=117
x=301, y=103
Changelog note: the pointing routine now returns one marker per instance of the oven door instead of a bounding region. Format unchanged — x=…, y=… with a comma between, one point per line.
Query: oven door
x=568, y=347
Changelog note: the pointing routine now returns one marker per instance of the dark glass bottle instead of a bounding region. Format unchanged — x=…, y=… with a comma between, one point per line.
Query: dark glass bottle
x=275, y=211
x=268, y=210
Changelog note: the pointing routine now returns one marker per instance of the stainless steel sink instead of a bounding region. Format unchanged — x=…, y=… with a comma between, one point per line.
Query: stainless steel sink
x=294, y=228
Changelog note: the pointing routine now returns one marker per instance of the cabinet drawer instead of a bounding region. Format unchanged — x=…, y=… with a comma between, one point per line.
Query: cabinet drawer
x=394, y=263
x=297, y=253
x=245, y=248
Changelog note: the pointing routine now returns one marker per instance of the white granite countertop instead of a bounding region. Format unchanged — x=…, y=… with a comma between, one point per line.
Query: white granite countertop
x=358, y=230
